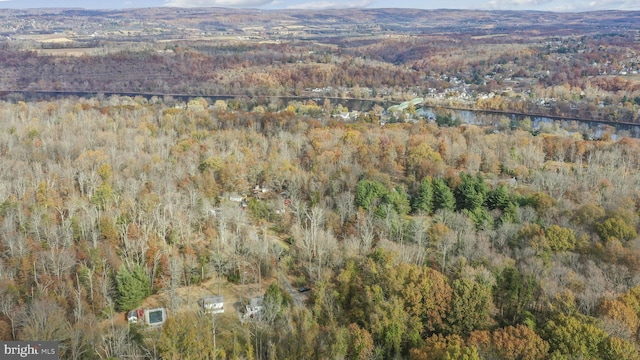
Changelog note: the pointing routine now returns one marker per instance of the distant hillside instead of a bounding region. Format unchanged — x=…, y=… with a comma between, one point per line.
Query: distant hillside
x=410, y=21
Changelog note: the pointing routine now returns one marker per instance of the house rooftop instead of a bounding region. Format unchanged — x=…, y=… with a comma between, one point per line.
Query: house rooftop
x=212, y=299
x=256, y=301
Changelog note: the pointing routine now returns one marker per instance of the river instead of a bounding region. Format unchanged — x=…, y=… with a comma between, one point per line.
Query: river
x=591, y=129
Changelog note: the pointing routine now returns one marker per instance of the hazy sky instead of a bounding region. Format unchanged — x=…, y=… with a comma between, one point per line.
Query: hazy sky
x=551, y=5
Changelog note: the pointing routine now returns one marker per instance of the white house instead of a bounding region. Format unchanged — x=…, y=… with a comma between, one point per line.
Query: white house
x=212, y=304
x=254, y=308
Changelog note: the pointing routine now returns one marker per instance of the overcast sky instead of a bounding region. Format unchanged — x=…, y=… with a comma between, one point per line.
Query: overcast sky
x=550, y=5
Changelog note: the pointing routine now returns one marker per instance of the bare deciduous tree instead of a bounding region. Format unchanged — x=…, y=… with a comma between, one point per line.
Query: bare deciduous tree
x=44, y=320
x=366, y=230
x=9, y=307
x=345, y=206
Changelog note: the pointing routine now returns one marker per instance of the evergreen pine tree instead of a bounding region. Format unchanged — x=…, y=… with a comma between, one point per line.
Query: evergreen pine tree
x=133, y=287
x=424, y=198
x=442, y=196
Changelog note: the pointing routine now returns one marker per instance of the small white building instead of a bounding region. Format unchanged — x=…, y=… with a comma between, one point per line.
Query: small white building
x=212, y=304
x=253, y=309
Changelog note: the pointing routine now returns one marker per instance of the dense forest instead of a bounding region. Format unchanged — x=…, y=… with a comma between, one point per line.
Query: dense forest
x=417, y=240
